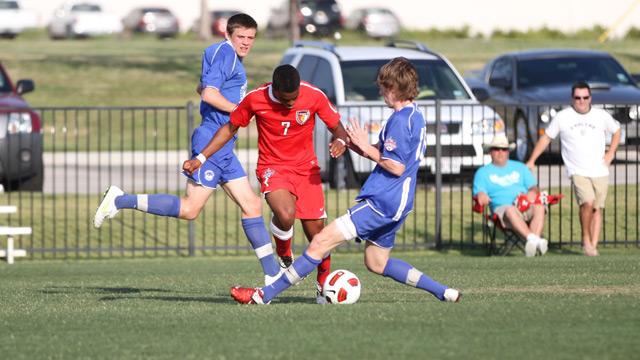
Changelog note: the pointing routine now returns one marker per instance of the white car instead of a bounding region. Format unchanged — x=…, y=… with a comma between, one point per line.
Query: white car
x=14, y=19
x=82, y=19
x=347, y=76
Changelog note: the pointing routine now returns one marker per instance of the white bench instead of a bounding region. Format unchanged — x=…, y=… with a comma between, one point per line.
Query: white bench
x=10, y=231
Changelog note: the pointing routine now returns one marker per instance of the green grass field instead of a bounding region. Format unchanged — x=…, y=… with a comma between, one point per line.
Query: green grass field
x=561, y=306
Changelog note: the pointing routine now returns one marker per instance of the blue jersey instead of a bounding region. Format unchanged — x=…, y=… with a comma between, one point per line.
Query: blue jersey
x=222, y=69
x=503, y=184
x=402, y=139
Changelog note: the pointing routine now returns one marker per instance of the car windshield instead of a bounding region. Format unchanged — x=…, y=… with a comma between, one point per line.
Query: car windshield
x=86, y=8
x=4, y=83
x=436, y=80
x=8, y=5
x=568, y=70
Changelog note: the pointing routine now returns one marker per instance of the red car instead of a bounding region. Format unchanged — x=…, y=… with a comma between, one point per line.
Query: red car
x=21, y=165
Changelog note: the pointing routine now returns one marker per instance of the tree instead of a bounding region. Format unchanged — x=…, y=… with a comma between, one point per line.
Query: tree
x=204, y=31
x=293, y=21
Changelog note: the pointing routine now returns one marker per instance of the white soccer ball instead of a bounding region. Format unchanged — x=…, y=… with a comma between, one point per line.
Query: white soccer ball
x=341, y=287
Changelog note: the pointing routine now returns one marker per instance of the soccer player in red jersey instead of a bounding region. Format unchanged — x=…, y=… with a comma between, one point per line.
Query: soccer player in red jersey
x=288, y=171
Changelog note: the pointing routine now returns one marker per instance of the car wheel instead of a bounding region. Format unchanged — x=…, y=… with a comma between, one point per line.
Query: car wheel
x=341, y=173
x=523, y=139
x=34, y=183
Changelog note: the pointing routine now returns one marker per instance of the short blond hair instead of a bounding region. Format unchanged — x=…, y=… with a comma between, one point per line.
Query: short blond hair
x=399, y=76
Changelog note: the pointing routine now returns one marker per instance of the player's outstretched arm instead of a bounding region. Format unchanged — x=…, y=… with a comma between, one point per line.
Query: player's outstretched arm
x=222, y=136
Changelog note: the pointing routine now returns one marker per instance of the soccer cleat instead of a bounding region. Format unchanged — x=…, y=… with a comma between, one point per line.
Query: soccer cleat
x=320, y=299
x=268, y=280
x=286, y=261
x=452, y=295
x=530, y=247
x=107, y=207
x=247, y=295
x=543, y=246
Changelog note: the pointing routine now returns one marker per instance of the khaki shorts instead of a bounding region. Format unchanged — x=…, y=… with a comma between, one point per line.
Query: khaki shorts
x=590, y=189
x=501, y=210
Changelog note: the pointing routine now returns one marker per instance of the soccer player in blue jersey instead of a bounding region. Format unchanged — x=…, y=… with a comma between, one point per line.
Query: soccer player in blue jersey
x=384, y=201
x=223, y=83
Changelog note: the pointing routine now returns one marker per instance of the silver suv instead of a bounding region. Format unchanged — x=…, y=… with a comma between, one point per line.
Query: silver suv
x=347, y=75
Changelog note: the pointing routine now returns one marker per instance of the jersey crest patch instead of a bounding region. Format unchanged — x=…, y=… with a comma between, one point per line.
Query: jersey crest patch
x=390, y=144
x=268, y=173
x=302, y=116
x=208, y=175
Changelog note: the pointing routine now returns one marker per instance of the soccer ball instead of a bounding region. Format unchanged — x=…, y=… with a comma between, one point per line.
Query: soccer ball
x=341, y=287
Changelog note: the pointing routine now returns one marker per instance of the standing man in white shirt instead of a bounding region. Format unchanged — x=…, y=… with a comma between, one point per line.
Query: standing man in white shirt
x=582, y=131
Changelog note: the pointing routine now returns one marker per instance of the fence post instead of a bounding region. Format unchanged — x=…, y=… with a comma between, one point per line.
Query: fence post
x=438, y=179
x=192, y=225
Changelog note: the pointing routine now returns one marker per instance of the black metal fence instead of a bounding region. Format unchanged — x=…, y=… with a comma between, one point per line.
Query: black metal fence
x=142, y=149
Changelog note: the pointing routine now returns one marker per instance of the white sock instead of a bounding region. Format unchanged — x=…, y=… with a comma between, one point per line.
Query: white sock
x=533, y=238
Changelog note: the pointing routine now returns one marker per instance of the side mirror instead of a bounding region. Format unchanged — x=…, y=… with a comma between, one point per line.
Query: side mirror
x=636, y=78
x=480, y=93
x=500, y=82
x=24, y=86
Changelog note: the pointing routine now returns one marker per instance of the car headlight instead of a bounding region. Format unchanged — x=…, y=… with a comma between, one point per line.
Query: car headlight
x=487, y=126
x=547, y=114
x=19, y=123
x=633, y=112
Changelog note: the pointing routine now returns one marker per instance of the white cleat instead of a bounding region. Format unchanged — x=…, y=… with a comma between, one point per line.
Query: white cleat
x=452, y=295
x=530, y=247
x=107, y=207
x=543, y=246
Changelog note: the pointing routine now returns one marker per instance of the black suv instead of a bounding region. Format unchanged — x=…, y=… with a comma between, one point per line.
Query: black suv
x=314, y=17
x=527, y=88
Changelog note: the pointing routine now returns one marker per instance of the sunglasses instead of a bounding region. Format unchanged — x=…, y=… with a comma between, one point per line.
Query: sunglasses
x=581, y=97
x=499, y=149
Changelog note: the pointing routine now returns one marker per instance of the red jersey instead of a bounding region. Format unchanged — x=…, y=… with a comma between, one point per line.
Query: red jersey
x=285, y=136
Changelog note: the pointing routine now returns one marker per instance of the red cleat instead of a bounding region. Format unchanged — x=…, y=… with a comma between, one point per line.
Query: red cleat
x=247, y=295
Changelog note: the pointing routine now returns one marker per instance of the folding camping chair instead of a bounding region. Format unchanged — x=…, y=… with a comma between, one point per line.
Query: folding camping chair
x=491, y=224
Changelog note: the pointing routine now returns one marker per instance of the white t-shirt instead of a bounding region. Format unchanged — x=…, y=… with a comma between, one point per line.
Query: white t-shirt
x=583, y=140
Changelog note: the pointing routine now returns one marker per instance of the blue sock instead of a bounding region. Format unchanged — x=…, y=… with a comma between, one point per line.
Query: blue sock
x=405, y=273
x=157, y=204
x=300, y=268
x=261, y=243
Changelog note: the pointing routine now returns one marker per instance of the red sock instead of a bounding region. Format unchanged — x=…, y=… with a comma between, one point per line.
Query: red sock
x=283, y=247
x=324, y=269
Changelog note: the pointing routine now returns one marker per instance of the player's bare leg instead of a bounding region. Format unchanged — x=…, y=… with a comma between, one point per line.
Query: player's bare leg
x=586, y=217
x=240, y=191
x=596, y=225
x=517, y=224
x=283, y=206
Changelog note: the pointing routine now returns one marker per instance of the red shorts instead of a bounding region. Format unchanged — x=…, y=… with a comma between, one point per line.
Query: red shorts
x=305, y=185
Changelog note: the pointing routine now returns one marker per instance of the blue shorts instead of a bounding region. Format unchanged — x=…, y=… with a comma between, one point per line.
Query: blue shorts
x=374, y=227
x=222, y=167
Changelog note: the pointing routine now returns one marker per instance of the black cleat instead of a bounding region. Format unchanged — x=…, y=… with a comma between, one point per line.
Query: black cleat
x=286, y=261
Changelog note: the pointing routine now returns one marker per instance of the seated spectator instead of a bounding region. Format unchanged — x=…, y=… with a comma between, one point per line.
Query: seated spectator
x=510, y=190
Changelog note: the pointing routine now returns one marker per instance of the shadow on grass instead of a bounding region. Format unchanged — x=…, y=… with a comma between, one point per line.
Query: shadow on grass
x=110, y=290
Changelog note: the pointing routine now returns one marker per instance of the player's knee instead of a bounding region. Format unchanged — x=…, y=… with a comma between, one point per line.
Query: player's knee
x=253, y=207
x=374, y=265
x=188, y=212
x=286, y=217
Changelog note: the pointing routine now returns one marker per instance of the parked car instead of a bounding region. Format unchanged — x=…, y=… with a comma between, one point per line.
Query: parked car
x=14, y=19
x=314, y=17
x=347, y=76
x=82, y=19
x=154, y=20
x=218, y=21
x=527, y=88
x=20, y=137
x=375, y=22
